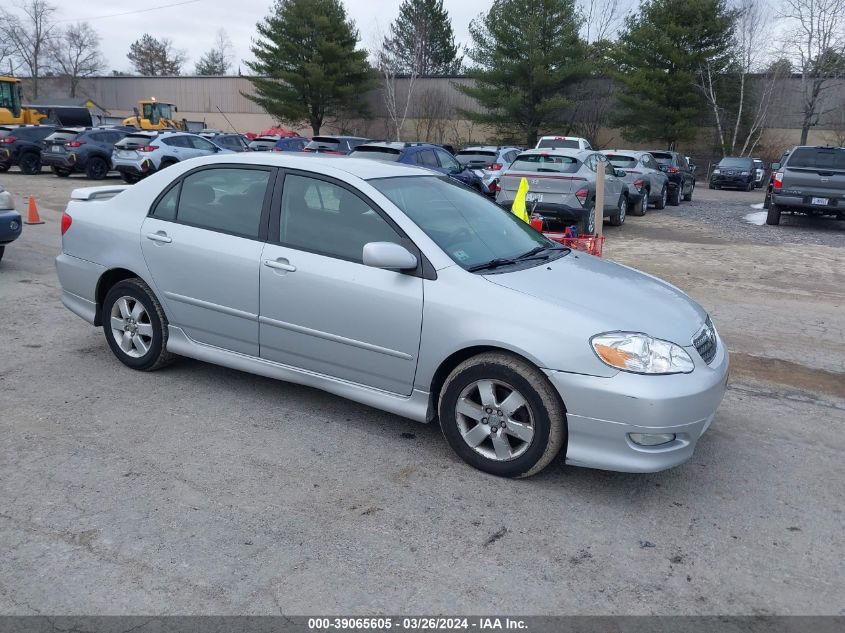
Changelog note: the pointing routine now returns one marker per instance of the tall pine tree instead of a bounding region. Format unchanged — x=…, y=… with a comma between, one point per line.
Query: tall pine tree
x=526, y=54
x=660, y=56
x=307, y=64
x=422, y=40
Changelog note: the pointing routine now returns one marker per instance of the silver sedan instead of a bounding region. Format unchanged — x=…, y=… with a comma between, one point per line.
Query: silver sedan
x=403, y=290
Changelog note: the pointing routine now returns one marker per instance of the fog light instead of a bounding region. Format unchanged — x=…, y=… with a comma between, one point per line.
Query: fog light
x=13, y=225
x=651, y=439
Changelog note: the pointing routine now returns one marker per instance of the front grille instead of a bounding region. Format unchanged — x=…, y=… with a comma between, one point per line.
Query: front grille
x=705, y=342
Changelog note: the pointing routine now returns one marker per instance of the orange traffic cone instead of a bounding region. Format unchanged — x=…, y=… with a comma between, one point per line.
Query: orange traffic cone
x=32, y=216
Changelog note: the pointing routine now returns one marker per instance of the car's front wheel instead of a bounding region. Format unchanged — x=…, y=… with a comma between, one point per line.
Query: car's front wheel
x=500, y=414
x=96, y=168
x=30, y=163
x=135, y=325
x=618, y=218
x=2, y=250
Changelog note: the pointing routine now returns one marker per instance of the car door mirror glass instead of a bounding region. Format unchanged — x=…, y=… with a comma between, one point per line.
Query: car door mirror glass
x=388, y=255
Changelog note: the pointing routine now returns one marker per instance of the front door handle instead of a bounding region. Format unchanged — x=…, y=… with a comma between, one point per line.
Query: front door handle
x=280, y=264
x=161, y=236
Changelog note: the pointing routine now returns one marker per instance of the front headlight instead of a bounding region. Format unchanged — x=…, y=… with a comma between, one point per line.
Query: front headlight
x=716, y=172
x=641, y=354
x=744, y=173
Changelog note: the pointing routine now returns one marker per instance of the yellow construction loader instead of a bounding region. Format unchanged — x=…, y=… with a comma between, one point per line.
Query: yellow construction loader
x=154, y=115
x=14, y=112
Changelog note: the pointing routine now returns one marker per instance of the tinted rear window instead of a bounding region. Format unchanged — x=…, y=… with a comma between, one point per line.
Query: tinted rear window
x=618, y=160
x=662, y=158
x=818, y=157
x=33, y=133
x=379, y=153
x=546, y=163
x=319, y=142
x=476, y=156
x=62, y=135
x=558, y=143
x=131, y=142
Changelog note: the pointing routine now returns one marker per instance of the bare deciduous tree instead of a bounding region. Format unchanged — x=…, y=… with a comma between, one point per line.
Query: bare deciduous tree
x=28, y=31
x=75, y=53
x=816, y=43
x=432, y=114
x=218, y=60
x=602, y=19
x=397, y=91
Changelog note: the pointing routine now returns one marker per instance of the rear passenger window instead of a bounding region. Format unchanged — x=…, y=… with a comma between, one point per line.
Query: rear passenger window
x=166, y=207
x=322, y=217
x=225, y=200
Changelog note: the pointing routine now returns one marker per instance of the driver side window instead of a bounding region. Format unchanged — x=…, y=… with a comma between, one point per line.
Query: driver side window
x=446, y=161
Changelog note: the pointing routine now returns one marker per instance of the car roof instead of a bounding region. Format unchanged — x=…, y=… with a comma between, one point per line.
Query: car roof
x=625, y=152
x=580, y=154
x=364, y=168
x=487, y=148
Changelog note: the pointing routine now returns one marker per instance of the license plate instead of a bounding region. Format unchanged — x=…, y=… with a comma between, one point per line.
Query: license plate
x=821, y=201
x=56, y=148
x=534, y=197
x=126, y=154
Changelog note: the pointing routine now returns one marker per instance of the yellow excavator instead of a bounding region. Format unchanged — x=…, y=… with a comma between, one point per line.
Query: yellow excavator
x=14, y=112
x=154, y=115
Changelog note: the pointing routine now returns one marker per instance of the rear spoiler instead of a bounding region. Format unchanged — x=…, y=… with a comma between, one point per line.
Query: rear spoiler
x=98, y=193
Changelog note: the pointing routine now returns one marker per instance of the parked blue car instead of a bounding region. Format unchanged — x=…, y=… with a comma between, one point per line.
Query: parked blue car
x=427, y=155
x=10, y=220
x=290, y=144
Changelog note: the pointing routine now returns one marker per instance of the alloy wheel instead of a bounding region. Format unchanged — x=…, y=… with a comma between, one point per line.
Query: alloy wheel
x=495, y=420
x=131, y=326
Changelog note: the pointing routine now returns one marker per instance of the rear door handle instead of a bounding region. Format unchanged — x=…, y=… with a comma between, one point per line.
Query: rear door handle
x=159, y=237
x=280, y=264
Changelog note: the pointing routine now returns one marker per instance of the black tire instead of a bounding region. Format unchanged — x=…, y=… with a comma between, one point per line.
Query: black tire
x=642, y=207
x=618, y=218
x=129, y=178
x=688, y=196
x=773, y=216
x=30, y=163
x=4, y=168
x=61, y=173
x=542, y=404
x=750, y=186
x=664, y=196
x=587, y=226
x=675, y=196
x=96, y=168
x=711, y=185
x=2, y=250
x=156, y=355
x=167, y=162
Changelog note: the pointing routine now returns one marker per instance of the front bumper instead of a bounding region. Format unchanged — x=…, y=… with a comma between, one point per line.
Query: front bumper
x=603, y=412
x=738, y=182
x=10, y=226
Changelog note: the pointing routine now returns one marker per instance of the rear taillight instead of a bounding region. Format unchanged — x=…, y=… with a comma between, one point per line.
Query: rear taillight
x=75, y=144
x=147, y=148
x=8, y=140
x=777, y=180
x=672, y=170
x=582, y=194
x=496, y=166
x=639, y=184
x=66, y=222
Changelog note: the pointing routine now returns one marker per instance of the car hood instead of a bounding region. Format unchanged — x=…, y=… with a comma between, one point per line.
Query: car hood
x=615, y=295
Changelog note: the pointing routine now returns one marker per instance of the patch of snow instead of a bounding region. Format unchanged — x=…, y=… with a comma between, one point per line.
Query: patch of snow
x=759, y=205
x=758, y=218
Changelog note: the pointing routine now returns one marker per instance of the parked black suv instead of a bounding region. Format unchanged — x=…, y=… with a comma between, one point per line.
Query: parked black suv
x=21, y=145
x=811, y=182
x=735, y=172
x=681, y=174
x=79, y=149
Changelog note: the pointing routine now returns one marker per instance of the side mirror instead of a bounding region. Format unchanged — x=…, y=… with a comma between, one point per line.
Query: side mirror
x=175, y=109
x=620, y=173
x=775, y=166
x=388, y=255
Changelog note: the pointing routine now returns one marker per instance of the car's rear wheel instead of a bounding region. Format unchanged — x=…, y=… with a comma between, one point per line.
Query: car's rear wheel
x=675, y=197
x=30, y=163
x=135, y=325
x=618, y=218
x=500, y=414
x=129, y=178
x=2, y=250
x=167, y=163
x=773, y=215
x=4, y=168
x=688, y=196
x=750, y=186
x=61, y=173
x=664, y=196
x=96, y=168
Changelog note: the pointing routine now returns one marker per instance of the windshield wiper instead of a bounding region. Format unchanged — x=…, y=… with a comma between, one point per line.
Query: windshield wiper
x=493, y=263
x=534, y=253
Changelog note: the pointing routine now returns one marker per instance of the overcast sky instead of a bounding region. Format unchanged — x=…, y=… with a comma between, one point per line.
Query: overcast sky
x=192, y=24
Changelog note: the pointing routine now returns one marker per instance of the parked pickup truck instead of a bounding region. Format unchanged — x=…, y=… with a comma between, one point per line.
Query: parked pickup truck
x=10, y=220
x=810, y=182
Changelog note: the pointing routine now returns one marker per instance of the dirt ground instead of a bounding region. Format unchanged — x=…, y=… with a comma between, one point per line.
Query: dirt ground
x=204, y=490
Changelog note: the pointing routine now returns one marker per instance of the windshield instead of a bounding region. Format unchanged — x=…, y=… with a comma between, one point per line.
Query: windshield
x=378, y=153
x=475, y=156
x=623, y=162
x=468, y=227
x=743, y=163
x=558, y=143
x=545, y=162
x=818, y=157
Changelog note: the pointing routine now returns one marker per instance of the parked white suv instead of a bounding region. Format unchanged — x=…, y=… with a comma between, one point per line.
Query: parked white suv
x=563, y=142
x=140, y=154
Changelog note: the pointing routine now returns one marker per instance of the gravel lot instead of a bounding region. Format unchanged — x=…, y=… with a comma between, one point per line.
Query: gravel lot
x=199, y=489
